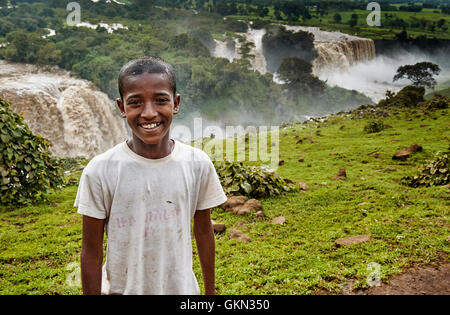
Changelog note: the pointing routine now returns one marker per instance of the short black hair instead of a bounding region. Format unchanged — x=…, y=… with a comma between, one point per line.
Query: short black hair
x=147, y=64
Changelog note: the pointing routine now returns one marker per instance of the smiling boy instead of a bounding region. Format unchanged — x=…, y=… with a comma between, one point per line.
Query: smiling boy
x=144, y=193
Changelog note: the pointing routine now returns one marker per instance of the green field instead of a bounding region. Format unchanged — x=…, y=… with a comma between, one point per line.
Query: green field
x=40, y=244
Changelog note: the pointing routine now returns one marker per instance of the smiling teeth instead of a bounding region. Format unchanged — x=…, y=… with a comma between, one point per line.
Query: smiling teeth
x=151, y=126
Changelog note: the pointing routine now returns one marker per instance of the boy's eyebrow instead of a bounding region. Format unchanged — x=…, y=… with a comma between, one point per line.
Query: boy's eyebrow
x=133, y=95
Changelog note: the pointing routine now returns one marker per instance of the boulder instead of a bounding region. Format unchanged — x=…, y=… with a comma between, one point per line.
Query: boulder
x=353, y=239
x=235, y=234
x=248, y=207
x=218, y=227
x=405, y=153
x=233, y=202
x=279, y=220
x=341, y=174
x=241, y=205
x=259, y=214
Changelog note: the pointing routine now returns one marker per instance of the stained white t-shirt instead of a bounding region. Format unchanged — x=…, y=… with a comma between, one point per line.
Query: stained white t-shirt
x=148, y=205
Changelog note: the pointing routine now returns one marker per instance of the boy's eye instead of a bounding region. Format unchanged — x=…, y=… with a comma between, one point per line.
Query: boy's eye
x=162, y=100
x=134, y=102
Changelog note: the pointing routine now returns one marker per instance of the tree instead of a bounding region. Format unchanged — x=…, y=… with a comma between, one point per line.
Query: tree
x=353, y=20
x=298, y=77
x=420, y=74
x=337, y=18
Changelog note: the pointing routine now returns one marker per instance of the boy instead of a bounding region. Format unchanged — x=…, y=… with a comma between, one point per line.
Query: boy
x=144, y=193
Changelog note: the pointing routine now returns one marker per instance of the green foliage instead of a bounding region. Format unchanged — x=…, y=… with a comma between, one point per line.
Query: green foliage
x=298, y=77
x=374, y=126
x=434, y=172
x=279, y=43
x=28, y=169
x=409, y=96
x=420, y=74
x=437, y=102
x=252, y=181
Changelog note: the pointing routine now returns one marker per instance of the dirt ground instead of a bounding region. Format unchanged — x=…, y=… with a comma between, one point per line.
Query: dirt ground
x=416, y=281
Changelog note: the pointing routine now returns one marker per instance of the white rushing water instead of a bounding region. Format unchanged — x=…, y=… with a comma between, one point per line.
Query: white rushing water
x=343, y=60
x=75, y=116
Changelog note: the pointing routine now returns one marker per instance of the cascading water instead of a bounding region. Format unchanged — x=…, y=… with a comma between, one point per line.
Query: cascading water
x=78, y=119
x=335, y=50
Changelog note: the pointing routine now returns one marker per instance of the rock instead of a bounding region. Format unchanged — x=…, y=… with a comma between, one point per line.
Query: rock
x=279, y=220
x=341, y=127
x=249, y=206
x=241, y=205
x=301, y=159
x=353, y=239
x=390, y=169
x=280, y=162
x=300, y=141
x=405, y=153
x=238, y=235
x=233, y=202
x=259, y=214
x=334, y=153
x=218, y=227
x=303, y=186
x=376, y=155
x=341, y=174
x=323, y=183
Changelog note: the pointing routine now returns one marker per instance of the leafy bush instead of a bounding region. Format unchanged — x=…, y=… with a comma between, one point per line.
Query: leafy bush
x=437, y=102
x=251, y=181
x=409, y=96
x=374, y=126
x=28, y=169
x=434, y=172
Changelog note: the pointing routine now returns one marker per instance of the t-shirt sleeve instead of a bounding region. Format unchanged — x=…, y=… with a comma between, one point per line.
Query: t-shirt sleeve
x=90, y=198
x=211, y=193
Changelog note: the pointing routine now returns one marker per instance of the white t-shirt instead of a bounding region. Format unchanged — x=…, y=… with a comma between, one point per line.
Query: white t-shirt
x=148, y=205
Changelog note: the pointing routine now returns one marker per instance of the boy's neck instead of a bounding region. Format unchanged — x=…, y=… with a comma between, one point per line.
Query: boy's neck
x=151, y=151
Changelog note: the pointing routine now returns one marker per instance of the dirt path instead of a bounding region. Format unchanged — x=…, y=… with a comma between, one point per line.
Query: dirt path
x=416, y=281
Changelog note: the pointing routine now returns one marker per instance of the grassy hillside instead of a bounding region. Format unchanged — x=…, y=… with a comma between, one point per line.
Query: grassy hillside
x=40, y=244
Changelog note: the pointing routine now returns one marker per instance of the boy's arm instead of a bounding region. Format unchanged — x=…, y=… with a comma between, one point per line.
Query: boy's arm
x=204, y=238
x=92, y=255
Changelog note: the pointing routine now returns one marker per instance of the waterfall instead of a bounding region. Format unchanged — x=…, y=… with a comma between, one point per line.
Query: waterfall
x=223, y=49
x=77, y=118
x=335, y=50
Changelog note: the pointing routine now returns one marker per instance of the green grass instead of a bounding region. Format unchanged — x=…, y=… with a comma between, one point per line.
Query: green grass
x=40, y=245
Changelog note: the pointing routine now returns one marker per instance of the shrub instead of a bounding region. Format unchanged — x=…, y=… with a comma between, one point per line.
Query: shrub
x=409, y=96
x=374, y=126
x=437, y=102
x=28, y=169
x=434, y=172
x=251, y=181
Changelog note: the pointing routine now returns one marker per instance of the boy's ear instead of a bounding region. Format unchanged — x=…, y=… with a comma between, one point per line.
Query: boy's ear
x=176, y=104
x=121, y=107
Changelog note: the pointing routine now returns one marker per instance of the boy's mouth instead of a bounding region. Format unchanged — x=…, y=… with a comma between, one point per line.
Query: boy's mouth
x=150, y=126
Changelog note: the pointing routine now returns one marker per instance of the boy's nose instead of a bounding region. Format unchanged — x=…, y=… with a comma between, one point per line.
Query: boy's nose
x=149, y=110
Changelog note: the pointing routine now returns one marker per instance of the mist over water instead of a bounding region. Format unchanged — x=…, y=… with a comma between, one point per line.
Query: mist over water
x=73, y=114
x=373, y=77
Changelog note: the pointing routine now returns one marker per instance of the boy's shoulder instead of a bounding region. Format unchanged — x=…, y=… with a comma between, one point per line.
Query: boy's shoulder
x=104, y=159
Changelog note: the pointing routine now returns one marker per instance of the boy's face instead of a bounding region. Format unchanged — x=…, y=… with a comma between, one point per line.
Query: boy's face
x=148, y=104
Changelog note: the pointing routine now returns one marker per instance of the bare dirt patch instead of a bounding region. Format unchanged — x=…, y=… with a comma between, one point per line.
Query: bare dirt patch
x=430, y=280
